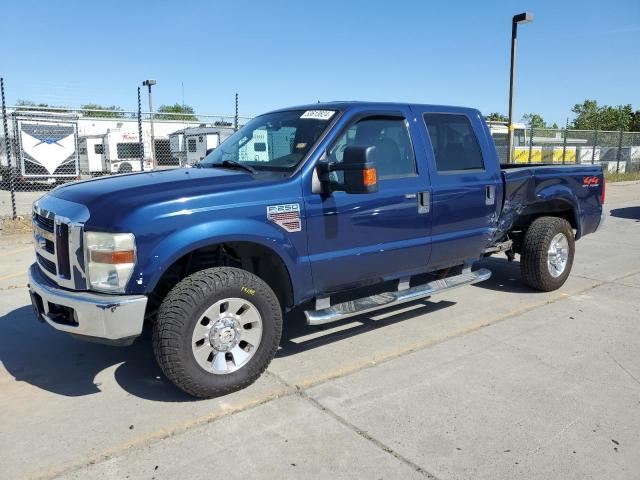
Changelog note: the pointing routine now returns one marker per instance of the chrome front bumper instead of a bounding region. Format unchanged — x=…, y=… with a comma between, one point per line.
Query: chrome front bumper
x=113, y=319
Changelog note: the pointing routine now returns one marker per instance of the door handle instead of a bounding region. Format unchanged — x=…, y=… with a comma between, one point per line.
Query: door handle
x=424, y=202
x=490, y=195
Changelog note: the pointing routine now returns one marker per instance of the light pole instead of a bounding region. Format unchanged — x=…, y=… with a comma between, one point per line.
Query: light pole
x=525, y=17
x=149, y=84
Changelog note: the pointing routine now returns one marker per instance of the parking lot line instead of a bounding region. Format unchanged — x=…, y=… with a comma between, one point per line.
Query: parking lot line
x=157, y=435
x=298, y=388
x=13, y=252
x=12, y=275
x=388, y=355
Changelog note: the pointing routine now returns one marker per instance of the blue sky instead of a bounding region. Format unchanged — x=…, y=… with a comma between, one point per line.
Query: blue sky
x=280, y=53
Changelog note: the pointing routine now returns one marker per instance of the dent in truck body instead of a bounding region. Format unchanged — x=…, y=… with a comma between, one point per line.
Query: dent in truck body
x=549, y=189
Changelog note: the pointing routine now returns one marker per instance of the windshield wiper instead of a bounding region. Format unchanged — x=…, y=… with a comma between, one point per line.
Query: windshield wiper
x=233, y=164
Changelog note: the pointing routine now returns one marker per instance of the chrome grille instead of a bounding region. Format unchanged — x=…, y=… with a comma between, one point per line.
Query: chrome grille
x=59, y=242
x=45, y=223
x=48, y=265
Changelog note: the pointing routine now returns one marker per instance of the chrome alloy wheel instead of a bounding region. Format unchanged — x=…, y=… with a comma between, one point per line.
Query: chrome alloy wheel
x=227, y=335
x=558, y=255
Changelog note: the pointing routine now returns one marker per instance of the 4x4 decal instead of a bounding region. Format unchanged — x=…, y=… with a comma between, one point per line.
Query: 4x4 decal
x=590, y=181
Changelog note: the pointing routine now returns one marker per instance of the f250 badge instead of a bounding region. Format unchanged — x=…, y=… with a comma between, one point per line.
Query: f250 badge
x=287, y=216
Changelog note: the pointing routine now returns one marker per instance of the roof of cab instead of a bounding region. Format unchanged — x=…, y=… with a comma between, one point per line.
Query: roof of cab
x=360, y=105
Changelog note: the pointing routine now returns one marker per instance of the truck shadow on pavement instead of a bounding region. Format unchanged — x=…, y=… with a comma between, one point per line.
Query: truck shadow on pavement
x=505, y=277
x=298, y=337
x=56, y=362
x=631, y=213
x=293, y=336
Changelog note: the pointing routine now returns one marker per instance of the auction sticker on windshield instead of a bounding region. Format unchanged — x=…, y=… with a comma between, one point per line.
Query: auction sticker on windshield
x=318, y=114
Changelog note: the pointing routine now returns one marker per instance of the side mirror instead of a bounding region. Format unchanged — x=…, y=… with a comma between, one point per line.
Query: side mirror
x=360, y=174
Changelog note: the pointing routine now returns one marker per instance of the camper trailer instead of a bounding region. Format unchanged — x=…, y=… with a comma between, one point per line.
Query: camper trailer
x=122, y=152
x=91, y=154
x=120, y=144
x=59, y=147
x=500, y=130
x=190, y=145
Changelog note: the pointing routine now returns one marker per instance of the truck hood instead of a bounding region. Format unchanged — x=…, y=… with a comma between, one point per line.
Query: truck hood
x=123, y=193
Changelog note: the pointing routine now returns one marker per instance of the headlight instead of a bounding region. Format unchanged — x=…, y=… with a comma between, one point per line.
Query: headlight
x=111, y=258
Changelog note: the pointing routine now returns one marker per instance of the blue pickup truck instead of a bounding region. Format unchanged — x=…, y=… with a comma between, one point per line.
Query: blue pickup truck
x=337, y=208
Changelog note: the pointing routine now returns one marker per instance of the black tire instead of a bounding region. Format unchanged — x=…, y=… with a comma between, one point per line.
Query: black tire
x=177, y=318
x=533, y=256
x=125, y=168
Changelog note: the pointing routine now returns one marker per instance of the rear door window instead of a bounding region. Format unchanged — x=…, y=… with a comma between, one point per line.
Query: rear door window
x=455, y=145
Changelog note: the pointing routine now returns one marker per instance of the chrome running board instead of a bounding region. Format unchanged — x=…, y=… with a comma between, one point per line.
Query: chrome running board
x=388, y=299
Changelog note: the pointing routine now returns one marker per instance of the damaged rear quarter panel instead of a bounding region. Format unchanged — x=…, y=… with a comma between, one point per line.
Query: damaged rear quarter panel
x=549, y=189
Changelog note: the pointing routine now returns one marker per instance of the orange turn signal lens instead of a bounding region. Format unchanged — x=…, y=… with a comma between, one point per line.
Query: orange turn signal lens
x=370, y=176
x=121, y=256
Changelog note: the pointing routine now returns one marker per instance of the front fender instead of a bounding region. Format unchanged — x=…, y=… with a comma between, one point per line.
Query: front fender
x=157, y=259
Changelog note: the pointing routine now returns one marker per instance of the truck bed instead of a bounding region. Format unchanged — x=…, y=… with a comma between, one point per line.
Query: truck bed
x=571, y=190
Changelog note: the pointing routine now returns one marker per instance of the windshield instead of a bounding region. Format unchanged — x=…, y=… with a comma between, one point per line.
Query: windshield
x=275, y=141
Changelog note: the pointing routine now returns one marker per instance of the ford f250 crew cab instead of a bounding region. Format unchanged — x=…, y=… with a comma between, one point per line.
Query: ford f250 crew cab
x=308, y=206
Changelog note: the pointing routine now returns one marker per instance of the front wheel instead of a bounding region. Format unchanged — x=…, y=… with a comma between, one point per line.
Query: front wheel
x=547, y=253
x=217, y=331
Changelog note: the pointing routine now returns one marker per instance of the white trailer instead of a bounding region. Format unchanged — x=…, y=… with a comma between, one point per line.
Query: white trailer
x=121, y=137
x=91, y=153
x=500, y=130
x=102, y=144
x=190, y=145
x=256, y=148
x=121, y=152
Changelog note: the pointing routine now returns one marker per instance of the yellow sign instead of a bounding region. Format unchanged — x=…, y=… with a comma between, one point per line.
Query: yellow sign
x=521, y=155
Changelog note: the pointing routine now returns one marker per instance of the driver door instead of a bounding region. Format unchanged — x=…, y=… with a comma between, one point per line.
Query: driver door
x=357, y=239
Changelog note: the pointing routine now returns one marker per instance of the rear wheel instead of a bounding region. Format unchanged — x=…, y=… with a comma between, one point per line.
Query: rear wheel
x=547, y=253
x=217, y=331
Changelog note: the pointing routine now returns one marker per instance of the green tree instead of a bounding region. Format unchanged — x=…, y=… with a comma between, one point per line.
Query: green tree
x=95, y=110
x=587, y=115
x=176, y=112
x=496, y=117
x=40, y=107
x=534, y=120
x=590, y=116
x=634, y=125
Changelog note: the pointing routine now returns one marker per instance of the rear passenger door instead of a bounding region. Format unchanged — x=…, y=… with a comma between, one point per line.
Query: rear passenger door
x=465, y=183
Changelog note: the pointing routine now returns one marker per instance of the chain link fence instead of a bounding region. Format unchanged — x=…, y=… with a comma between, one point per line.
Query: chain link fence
x=41, y=148
x=616, y=151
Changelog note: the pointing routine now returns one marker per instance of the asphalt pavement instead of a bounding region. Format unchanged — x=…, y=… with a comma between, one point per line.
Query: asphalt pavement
x=490, y=381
